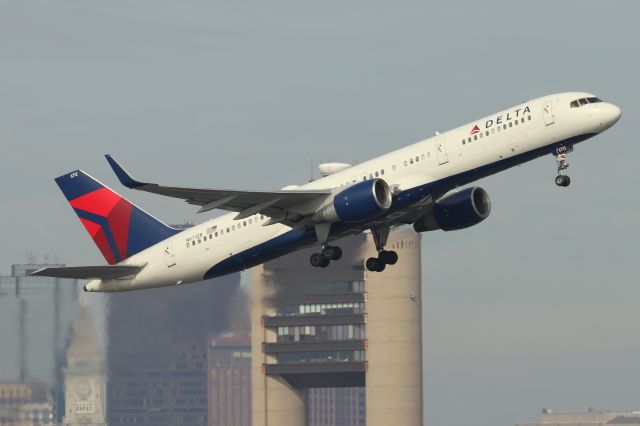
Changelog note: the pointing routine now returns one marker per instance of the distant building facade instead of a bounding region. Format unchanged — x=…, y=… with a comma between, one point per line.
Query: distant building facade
x=336, y=407
x=84, y=376
x=229, y=379
x=157, y=348
x=591, y=418
x=41, y=311
x=23, y=404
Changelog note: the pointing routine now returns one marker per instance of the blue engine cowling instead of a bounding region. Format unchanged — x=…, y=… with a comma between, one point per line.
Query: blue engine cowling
x=457, y=211
x=357, y=203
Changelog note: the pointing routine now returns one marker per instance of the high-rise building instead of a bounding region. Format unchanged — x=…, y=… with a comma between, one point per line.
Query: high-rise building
x=229, y=372
x=157, y=341
x=84, y=376
x=316, y=330
x=36, y=315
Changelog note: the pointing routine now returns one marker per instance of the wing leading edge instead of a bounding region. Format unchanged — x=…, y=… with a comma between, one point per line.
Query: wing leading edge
x=287, y=206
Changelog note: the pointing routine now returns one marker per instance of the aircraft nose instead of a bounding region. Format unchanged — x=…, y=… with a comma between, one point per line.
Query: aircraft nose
x=610, y=114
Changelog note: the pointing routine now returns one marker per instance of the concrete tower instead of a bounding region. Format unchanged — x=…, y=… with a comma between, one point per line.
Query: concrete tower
x=340, y=326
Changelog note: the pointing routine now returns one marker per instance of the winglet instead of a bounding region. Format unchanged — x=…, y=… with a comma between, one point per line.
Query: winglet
x=125, y=178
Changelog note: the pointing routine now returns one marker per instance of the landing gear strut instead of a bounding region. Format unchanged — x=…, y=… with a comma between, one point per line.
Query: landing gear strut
x=385, y=257
x=563, y=164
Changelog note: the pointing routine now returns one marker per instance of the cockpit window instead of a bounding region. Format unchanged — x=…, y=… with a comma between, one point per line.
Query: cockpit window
x=583, y=101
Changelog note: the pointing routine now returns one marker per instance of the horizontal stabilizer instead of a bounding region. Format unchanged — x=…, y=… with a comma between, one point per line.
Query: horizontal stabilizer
x=89, y=272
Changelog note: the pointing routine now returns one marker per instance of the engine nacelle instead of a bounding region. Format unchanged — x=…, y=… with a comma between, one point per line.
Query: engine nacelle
x=359, y=202
x=457, y=211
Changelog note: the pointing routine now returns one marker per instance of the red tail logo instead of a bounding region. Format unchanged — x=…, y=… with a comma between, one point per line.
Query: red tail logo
x=475, y=129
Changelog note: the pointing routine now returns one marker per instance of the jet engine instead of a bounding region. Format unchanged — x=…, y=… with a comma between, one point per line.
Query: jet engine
x=457, y=211
x=359, y=202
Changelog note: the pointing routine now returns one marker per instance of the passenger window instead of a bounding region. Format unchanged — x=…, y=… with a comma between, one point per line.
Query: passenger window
x=481, y=135
x=382, y=171
x=529, y=117
x=216, y=234
x=463, y=141
x=417, y=158
x=205, y=238
x=411, y=161
x=429, y=154
x=364, y=178
x=486, y=133
x=250, y=221
x=262, y=216
x=510, y=124
x=393, y=167
x=499, y=128
x=193, y=243
x=228, y=230
x=515, y=122
x=370, y=175
x=475, y=137
x=233, y=228
x=422, y=156
x=199, y=240
x=469, y=140
x=493, y=131
x=405, y=163
x=377, y=174
x=504, y=127
x=522, y=120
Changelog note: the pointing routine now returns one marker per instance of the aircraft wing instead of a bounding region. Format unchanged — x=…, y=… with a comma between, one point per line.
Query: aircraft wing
x=286, y=206
x=89, y=272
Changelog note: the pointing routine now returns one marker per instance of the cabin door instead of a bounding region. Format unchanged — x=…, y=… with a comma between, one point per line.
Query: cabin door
x=167, y=252
x=547, y=113
x=441, y=151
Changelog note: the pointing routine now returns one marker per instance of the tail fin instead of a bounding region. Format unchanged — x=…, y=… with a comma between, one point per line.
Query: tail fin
x=118, y=228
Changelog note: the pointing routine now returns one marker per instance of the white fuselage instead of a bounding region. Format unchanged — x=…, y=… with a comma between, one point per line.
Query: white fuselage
x=454, y=158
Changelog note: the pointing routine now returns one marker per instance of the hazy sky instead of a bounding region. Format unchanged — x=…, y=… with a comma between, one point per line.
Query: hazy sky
x=536, y=307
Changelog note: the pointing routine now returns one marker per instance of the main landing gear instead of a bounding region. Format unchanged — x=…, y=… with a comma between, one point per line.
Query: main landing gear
x=561, y=161
x=329, y=253
x=385, y=257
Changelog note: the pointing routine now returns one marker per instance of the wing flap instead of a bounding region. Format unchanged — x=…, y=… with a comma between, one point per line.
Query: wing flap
x=90, y=272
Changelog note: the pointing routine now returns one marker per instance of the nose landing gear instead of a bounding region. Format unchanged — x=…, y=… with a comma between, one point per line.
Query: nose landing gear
x=562, y=163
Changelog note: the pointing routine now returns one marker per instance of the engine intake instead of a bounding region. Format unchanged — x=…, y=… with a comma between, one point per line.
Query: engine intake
x=359, y=202
x=457, y=211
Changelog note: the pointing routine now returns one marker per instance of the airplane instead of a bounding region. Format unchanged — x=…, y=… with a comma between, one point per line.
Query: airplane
x=416, y=185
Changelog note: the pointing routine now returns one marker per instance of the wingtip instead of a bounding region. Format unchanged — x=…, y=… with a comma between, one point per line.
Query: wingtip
x=125, y=178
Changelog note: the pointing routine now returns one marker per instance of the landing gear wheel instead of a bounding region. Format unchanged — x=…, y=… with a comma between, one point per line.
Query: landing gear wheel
x=332, y=252
x=562, y=163
x=388, y=257
x=373, y=264
x=317, y=260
